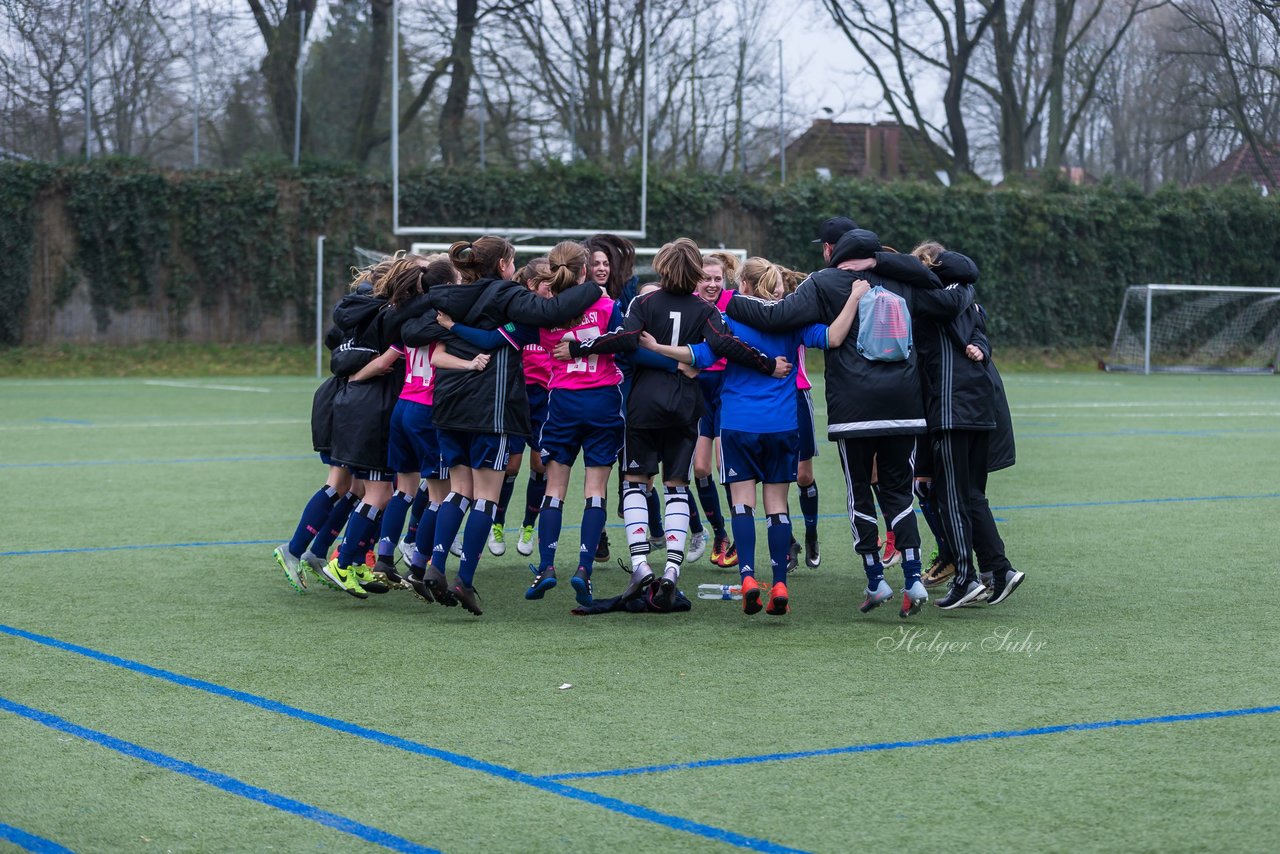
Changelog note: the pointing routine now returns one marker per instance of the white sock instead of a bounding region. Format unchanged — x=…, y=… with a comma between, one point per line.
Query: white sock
x=676, y=521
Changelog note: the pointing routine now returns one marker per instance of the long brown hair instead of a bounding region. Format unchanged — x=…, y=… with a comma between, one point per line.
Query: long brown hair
x=567, y=261
x=928, y=252
x=481, y=258
x=622, y=259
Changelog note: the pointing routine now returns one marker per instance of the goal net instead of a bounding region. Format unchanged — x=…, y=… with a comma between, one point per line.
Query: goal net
x=1197, y=329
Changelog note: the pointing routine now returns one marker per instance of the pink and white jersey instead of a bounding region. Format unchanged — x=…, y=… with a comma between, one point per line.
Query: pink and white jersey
x=537, y=365
x=802, y=376
x=722, y=303
x=594, y=371
x=419, y=376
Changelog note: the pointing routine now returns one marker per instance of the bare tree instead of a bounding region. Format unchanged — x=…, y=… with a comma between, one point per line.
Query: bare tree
x=283, y=26
x=1239, y=42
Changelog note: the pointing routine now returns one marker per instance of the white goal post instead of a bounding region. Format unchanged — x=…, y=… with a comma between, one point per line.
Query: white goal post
x=1197, y=329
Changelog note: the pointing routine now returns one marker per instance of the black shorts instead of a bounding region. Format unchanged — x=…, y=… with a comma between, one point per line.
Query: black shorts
x=645, y=448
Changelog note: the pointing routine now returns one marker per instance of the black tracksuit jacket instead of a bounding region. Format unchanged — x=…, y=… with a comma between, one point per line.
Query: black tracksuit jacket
x=864, y=398
x=493, y=400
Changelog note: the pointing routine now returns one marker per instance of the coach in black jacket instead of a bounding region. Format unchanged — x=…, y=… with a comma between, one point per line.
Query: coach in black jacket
x=961, y=405
x=875, y=409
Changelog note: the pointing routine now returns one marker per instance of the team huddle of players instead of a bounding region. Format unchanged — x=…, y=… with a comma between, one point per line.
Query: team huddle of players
x=448, y=368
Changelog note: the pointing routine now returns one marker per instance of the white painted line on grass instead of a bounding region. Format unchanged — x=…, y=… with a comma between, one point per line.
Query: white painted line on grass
x=133, y=425
x=203, y=386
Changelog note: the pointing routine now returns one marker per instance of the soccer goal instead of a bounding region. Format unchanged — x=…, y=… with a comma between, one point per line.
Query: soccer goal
x=1197, y=329
x=644, y=254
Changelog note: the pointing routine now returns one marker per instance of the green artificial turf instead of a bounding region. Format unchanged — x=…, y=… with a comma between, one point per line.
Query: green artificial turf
x=1135, y=606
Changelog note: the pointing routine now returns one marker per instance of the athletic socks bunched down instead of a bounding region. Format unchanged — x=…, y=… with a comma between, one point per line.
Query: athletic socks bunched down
x=809, y=505
x=393, y=522
x=313, y=518
x=448, y=523
x=874, y=569
x=550, y=519
x=779, y=533
x=534, y=491
x=910, y=567
x=676, y=521
x=333, y=525
x=479, y=522
x=709, y=498
x=635, y=516
x=593, y=519
x=743, y=521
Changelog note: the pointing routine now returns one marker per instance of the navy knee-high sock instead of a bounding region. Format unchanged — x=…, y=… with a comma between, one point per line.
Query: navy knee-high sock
x=393, y=522
x=534, y=491
x=425, y=538
x=744, y=537
x=695, y=519
x=874, y=569
x=333, y=525
x=550, y=518
x=504, y=498
x=479, y=523
x=709, y=498
x=421, y=499
x=655, y=515
x=809, y=505
x=779, y=533
x=360, y=530
x=448, y=523
x=313, y=519
x=593, y=516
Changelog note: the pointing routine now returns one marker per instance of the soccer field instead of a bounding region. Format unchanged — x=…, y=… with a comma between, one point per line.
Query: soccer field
x=163, y=688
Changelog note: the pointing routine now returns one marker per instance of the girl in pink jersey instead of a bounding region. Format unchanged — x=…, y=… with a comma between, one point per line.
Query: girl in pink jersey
x=537, y=374
x=584, y=413
x=413, y=451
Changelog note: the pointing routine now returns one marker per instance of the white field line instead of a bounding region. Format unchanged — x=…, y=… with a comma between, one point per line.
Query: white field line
x=1145, y=405
x=1274, y=413
x=202, y=386
x=133, y=425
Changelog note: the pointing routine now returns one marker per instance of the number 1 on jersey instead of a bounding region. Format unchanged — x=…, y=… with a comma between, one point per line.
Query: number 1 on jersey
x=675, y=328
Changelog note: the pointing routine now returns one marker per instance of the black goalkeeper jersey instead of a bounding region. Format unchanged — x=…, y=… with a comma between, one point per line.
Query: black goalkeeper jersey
x=661, y=398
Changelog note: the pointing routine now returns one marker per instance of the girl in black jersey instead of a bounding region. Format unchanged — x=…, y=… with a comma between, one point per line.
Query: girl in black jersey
x=663, y=407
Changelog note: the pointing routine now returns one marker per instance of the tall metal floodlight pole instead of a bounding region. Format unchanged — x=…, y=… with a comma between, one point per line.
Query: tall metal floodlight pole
x=782, y=124
x=395, y=116
x=644, y=118
x=297, y=106
x=195, y=70
x=88, y=82
x=483, y=111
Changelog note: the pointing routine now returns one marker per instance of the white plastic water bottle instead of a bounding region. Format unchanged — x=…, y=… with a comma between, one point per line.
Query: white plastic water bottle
x=719, y=591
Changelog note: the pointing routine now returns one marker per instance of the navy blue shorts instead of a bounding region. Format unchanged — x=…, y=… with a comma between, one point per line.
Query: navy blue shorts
x=588, y=420
x=762, y=457
x=537, y=416
x=808, y=427
x=710, y=382
x=413, y=445
x=475, y=450
x=360, y=474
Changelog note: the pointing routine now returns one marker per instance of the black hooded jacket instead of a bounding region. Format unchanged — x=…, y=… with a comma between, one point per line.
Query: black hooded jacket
x=361, y=411
x=958, y=393
x=864, y=397
x=493, y=400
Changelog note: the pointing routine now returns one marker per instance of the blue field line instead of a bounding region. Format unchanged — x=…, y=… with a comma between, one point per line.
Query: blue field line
x=30, y=842
x=182, y=461
x=459, y=760
x=924, y=742
x=219, y=781
x=132, y=548
x=49, y=419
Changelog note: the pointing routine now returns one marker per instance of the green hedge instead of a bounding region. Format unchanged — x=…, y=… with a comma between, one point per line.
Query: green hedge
x=1054, y=259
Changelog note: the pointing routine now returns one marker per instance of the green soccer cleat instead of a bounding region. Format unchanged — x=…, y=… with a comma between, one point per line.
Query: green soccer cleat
x=292, y=567
x=366, y=578
x=343, y=579
x=524, y=545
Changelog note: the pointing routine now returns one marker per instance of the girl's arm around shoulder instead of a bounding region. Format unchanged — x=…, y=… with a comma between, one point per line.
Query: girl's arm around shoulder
x=378, y=366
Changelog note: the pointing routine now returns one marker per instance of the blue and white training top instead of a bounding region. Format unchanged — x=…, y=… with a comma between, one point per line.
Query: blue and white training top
x=751, y=401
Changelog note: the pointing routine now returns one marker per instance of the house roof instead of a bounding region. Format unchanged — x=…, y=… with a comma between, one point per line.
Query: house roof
x=1243, y=163
x=884, y=151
